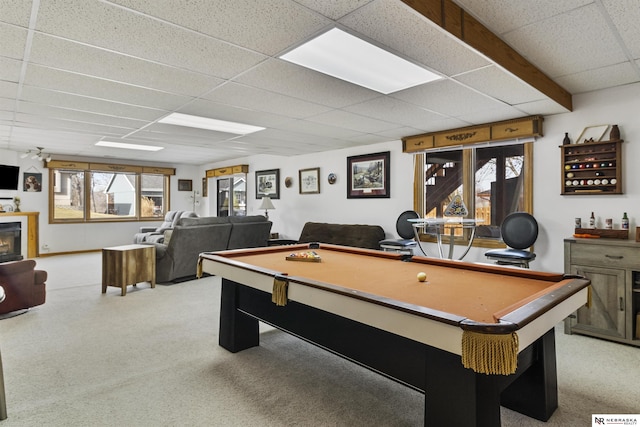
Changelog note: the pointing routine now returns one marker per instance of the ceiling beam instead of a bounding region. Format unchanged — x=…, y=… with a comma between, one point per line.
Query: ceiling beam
x=453, y=19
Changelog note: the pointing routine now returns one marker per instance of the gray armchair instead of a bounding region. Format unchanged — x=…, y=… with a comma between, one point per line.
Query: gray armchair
x=156, y=234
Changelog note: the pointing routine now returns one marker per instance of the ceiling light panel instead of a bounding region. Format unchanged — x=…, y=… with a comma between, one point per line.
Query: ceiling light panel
x=199, y=122
x=128, y=146
x=341, y=55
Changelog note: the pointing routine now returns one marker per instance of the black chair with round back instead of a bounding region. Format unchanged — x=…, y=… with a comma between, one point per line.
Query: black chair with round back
x=519, y=232
x=405, y=230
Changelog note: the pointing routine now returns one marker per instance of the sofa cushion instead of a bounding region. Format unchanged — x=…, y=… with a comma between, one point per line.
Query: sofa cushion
x=207, y=220
x=355, y=235
x=250, y=218
x=250, y=234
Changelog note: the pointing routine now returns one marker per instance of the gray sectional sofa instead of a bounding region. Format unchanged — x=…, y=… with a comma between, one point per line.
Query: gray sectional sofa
x=177, y=256
x=156, y=234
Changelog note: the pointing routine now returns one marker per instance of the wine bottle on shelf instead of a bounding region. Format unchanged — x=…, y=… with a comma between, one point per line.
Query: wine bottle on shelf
x=625, y=221
x=592, y=221
x=566, y=140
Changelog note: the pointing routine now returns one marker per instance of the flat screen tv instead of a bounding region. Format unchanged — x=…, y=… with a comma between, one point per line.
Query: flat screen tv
x=9, y=176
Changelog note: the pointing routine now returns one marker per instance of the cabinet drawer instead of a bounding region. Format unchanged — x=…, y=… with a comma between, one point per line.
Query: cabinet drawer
x=606, y=256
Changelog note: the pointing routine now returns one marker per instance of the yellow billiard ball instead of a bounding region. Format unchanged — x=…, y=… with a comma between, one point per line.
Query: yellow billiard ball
x=422, y=276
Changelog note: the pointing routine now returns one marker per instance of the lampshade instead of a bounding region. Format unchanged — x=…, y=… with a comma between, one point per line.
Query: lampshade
x=266, y=203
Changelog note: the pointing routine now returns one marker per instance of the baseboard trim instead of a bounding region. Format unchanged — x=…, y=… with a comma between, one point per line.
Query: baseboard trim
x=69, y=253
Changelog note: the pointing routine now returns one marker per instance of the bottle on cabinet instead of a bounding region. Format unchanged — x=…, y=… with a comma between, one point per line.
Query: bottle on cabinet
x=625, y=221
x=592, y=221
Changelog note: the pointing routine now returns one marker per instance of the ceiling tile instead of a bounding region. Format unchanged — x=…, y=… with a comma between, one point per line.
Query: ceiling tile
x=591, y=48
x=497, y=113
x=8, y=89
x=506, y=15
x=625, y=15
x=545, y=107
x=600, y=78
x=10, y=69
x=394, y=25
x=334, y=9
x=102, y=89
x=13, y=41
x=78, y=116
x=241, y=21
x=501, y=85
x=318, y=129
x=257, y=99
x=84, y=103
x=298, y=82
x=79, y=58
x=397, y=111
x=104, y=25
x=205, y=108
x=16, y=12
x=447, y=97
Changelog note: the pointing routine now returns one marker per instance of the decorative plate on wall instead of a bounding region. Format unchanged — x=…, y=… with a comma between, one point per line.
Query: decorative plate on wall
x=332, y=178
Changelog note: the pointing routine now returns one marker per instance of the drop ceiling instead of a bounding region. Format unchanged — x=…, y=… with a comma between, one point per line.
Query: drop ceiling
x=74, y=72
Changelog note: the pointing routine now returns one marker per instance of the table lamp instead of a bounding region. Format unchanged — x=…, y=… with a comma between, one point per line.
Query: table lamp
x=266, y=205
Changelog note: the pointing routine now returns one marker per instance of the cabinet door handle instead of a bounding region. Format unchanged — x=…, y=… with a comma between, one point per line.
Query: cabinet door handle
x=621, y=304
x=614, y=256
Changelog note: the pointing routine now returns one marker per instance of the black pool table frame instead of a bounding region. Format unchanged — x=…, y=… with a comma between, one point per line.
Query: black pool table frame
x=454, y=395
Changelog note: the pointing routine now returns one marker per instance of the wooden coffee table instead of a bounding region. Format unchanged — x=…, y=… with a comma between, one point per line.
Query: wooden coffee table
x=128, y=265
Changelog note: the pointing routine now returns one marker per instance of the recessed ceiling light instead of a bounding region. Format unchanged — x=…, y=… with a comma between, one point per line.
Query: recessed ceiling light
x=128, y=146
x=209, y=124
x=341, y=55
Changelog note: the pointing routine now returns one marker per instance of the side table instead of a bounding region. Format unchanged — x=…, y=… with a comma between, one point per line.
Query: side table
x=128, y=265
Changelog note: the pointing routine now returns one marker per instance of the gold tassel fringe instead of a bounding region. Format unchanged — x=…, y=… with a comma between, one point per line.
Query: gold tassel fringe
x=199, y=269
x=490, y=353
x=279, y=296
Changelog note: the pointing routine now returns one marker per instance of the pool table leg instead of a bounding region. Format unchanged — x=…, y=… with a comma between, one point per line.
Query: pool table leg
x=456, y=396
x=459, y=397
x=535, y=392
x=237, y=330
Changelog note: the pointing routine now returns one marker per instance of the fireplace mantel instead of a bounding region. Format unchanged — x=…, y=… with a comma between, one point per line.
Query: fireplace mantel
x=33, y=221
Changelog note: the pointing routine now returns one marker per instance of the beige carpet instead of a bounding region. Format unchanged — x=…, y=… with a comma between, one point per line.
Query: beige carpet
x=151, y=359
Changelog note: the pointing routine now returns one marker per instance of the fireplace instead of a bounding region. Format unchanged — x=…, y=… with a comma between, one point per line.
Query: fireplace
x=10, y=241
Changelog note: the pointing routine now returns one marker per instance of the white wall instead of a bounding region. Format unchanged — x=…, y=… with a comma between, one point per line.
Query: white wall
x=292, y=209
x=555, y=213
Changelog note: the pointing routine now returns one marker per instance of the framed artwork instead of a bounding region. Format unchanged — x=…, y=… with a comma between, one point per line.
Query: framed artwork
x=369, y=176
x=185, y=185
x=592, y=134
x=32, y=182
x=268, y=184
x=205, y=187
x=309, y=180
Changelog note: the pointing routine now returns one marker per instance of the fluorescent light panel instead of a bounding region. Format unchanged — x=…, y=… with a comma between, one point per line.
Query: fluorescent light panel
x=341, y=55
x=188, y=120
x=128, y=146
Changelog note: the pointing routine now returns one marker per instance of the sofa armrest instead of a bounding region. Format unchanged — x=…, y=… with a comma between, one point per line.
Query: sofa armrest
x=147, y=229
x=40, y=277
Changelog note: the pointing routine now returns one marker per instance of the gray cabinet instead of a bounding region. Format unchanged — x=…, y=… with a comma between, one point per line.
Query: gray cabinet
x=613, y=266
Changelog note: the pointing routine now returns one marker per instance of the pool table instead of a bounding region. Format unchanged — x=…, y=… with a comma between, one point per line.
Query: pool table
x=369, y=307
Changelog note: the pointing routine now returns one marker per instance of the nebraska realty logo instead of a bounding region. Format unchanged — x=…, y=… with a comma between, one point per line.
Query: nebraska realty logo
x=615, y=420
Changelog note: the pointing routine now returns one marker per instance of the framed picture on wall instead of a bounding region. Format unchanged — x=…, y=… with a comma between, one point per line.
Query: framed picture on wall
x=32, y=182
x=369, y=176
x=268, y=184
x=205, y=187
x=185, y=185
x=309, y=180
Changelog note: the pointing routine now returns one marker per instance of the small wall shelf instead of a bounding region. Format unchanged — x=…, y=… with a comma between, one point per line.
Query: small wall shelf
x=592, y=168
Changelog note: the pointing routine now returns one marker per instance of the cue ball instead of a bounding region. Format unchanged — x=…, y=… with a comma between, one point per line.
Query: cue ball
x=422, y=276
